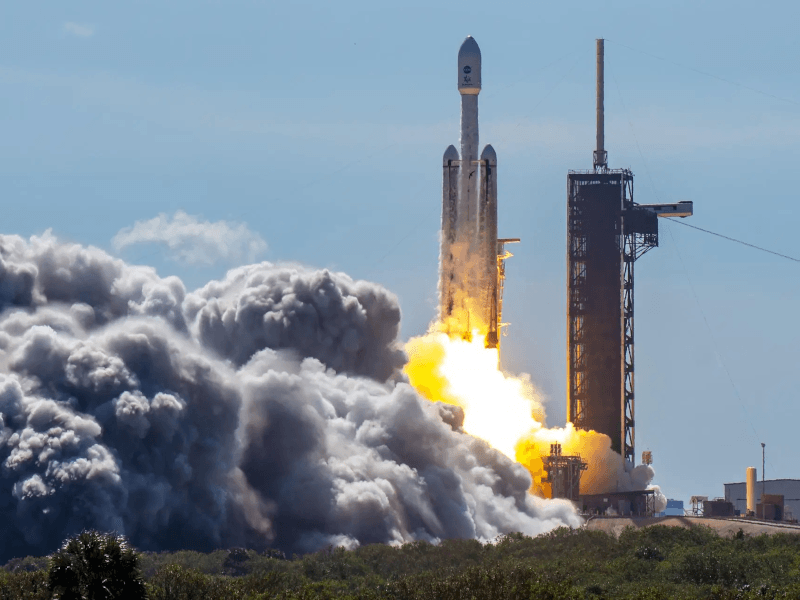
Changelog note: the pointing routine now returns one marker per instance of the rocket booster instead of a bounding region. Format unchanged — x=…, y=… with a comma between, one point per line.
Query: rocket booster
x=469, y=252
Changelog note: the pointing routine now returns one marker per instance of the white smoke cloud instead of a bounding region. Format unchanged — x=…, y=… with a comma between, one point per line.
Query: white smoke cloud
x=266, y=409
x=194, y=242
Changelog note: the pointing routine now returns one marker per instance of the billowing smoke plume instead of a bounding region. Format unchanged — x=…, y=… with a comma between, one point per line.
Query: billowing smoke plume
x=267, y=409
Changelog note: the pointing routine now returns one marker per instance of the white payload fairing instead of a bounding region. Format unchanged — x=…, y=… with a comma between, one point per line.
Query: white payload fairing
x=472, y=257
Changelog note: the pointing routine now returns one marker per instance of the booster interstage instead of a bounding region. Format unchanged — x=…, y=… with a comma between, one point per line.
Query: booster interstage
x=472, y=257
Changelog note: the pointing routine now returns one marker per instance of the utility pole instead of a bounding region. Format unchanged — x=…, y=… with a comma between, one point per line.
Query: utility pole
x=763, y=480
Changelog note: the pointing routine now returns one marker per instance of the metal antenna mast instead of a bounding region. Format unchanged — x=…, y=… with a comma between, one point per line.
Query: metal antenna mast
x=600, y=154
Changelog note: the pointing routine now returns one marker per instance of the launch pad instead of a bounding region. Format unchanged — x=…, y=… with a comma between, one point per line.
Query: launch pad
x=563, y=473
x=639, y=503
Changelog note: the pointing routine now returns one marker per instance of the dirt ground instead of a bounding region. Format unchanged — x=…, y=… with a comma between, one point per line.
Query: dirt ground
x=725, y=527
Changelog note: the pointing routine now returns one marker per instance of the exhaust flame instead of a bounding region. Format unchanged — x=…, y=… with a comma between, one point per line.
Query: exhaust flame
x=508, y=413
x=498, y=409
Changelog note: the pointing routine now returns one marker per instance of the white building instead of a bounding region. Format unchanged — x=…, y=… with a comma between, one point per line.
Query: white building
x=736, y=493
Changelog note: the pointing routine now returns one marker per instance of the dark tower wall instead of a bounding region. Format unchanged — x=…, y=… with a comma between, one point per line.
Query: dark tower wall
x=594, y=303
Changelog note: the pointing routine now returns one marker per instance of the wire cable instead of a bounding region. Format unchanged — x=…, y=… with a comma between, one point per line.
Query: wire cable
x=542, y=98
x=655, y=192
x=718, y=78
x=688, y=279
x=743, y=243
x=636, y=139
x=714, y=339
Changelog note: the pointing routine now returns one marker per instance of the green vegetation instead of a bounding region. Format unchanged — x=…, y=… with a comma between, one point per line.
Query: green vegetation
x=644, y=564
x=95, y=566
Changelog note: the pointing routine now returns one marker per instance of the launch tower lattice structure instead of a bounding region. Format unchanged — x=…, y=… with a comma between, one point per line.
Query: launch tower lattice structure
x=563, y=473
x=606, y=233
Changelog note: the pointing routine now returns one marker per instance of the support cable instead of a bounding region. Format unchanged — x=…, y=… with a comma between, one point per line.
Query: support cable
x=688, y=279
x=714, y=339
x=528, y=74
x=711, y=75
x=636, y=139
x=655, y=192
x=546, y=95
x=743, y=243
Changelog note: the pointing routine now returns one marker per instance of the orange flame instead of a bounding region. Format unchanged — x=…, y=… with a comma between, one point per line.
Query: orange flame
x=504, y=411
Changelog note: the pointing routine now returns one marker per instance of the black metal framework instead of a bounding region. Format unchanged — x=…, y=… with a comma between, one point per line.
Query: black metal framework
x=563, y=473
x=606, y=233
x=640, y=234
x=594, y=330
x=641, y=503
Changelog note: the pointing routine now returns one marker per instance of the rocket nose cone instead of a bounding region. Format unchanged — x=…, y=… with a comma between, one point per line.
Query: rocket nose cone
x=450, y=154
x=469, y=67
x=469, y=48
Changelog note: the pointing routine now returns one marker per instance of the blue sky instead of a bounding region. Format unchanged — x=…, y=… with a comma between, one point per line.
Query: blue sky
x=320, y=127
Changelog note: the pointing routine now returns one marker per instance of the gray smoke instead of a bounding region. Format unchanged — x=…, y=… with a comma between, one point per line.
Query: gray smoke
x=267, y=409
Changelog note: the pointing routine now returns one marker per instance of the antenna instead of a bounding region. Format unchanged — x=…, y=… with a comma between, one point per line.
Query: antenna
x=600, y=155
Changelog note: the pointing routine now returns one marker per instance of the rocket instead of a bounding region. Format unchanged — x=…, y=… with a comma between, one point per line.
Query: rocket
x=471, y=255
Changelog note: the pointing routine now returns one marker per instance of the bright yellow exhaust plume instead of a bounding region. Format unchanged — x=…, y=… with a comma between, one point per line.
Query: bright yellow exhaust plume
x=497, y=409
x=504, y=411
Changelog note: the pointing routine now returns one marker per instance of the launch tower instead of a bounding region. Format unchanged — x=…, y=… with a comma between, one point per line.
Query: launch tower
x=606, y=233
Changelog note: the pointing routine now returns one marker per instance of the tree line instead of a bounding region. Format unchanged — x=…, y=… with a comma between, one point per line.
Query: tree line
x=652, y=563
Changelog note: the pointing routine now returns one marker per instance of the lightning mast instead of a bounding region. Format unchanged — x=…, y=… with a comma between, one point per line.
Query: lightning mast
x=606, y=233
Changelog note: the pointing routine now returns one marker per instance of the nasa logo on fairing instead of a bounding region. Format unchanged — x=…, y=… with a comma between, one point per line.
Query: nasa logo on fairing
x=467, y=70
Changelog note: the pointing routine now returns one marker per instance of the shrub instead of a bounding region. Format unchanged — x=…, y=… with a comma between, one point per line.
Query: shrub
x=496, y=583
x=24, y=585
x=95, y=566
x=175, y=582
x=649, y=553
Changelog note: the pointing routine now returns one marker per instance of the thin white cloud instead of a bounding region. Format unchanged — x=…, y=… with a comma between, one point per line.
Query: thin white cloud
x=194, y=242
x=78, y=29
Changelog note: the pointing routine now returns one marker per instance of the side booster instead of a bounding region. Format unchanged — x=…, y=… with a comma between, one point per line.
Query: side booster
x=472, y=257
